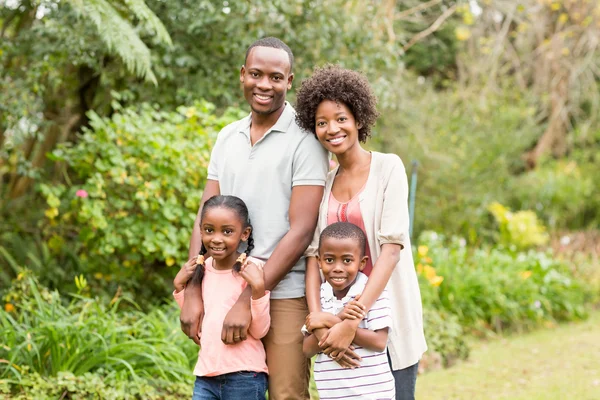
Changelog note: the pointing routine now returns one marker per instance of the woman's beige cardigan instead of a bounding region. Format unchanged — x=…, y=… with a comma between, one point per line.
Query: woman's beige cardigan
x=384, y=209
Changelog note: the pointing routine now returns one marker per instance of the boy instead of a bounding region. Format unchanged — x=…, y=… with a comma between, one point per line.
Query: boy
x=341, y=258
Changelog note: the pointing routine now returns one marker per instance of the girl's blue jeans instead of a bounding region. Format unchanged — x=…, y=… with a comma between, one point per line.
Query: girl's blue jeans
x=234, y=386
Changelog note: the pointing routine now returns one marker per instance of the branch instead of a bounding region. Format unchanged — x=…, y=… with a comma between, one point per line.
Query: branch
x=434, y=27
x=416, y=9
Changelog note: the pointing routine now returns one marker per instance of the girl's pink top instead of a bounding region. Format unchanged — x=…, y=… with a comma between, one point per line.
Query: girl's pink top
x=349, y=212
x=220, y=291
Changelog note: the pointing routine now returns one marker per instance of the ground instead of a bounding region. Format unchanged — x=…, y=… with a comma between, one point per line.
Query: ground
x=554, y=363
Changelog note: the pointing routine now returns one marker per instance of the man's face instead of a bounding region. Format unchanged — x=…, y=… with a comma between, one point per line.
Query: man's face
x=266, y=78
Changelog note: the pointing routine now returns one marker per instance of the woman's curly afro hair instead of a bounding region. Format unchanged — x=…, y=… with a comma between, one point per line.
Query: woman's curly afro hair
x=335, y=83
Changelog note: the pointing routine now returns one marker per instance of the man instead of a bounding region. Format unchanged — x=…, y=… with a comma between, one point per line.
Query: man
x=279, y=171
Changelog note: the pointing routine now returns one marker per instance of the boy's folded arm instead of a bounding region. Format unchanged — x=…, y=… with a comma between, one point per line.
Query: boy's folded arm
x=371, y=340
x=310, y=346
x=261, y=319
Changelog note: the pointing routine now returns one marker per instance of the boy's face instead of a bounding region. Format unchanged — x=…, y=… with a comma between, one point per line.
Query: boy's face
x=340, y=261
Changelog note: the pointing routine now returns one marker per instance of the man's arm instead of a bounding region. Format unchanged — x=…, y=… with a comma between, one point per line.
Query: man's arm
x=371, y=340
x=303, y=214
x=192, y=311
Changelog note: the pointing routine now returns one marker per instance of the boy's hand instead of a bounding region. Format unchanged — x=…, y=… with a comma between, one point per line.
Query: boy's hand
x=353, y=310
x=316, y=320
x=254, y=275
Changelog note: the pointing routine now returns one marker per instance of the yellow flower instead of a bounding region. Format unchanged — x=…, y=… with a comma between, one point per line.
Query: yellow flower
x=170, y=261
x=8, y=307
x=98, y=275
x=427, y=260
x=462, y=33
x=51, y=212
x=429, y=272
x=525, y=274
x=436, y=281
x=419, y=268
x=422, y=250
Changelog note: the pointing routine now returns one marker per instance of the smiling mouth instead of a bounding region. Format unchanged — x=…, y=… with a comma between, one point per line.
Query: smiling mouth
x=336, y=140
x=217, y=249
x=262, y=97
x=337, y=280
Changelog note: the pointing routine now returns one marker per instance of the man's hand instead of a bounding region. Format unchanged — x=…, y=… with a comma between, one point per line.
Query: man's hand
x=192, y=312
x=237, y=321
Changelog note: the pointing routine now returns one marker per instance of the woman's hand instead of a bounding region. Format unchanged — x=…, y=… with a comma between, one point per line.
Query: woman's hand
x=185, y=274
x=338, y=338
x=353, y=310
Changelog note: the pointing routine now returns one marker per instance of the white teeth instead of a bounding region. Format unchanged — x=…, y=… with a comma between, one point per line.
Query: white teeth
x=337, y=140
x=263, y=97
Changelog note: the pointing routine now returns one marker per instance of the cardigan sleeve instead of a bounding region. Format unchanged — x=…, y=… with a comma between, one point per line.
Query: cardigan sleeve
x=394, y=218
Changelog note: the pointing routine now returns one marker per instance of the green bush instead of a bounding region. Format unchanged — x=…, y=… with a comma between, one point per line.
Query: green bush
x=445, y=337
x=562, y=192
x=46, y=342
x=135, y=182
x=469, y=146
x=520, y=229
x=492, y=289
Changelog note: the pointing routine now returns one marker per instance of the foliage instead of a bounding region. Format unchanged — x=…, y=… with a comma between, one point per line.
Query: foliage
x=564, y=193
x=34, y=386
x=492, y=289
x=468, y=147
x=113, y=344
x=53, y=55
x=520, y=229
x=444, y=336
x=135, y=182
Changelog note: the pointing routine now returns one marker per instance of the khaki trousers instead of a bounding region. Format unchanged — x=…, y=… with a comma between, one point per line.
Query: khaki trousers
x=289, y=369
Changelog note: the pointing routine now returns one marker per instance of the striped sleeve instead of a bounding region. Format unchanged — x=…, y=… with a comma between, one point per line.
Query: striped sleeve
x=380, y=315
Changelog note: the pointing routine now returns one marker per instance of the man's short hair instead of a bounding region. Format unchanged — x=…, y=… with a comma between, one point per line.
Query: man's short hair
x=345, y=230
x=273, y=43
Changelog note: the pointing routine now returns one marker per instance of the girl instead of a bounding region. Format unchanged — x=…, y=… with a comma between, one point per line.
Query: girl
x=223, y=371
x=370, y=190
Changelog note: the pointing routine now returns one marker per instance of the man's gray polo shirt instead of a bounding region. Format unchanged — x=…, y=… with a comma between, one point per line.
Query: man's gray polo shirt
x=263, y=176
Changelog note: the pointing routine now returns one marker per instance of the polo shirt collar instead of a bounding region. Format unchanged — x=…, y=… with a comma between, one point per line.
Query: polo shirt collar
x=356, y=288
x=282, y=125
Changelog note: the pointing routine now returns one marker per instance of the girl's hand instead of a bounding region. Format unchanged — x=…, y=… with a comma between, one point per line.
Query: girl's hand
x=185, y=274
x=353, y=310
x=254, y=275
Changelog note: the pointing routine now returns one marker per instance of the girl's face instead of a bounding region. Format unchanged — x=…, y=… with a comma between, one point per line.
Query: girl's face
x=222, y=232
x=335, y=126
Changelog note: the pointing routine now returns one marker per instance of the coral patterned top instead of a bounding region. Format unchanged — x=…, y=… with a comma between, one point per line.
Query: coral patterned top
x=349, y=212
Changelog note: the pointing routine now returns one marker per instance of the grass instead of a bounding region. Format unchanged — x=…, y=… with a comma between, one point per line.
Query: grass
x=556, y=363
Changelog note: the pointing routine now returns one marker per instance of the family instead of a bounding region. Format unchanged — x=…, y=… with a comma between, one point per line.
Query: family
x=288, y=261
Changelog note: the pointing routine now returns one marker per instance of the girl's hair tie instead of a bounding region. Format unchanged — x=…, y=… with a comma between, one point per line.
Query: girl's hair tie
x=237, y=267
x=200, y=260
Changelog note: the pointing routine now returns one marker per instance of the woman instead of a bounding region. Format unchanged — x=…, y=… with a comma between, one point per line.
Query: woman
x=370, y=190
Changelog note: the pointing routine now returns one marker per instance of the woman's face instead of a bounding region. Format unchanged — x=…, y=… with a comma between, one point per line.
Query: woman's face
x=335, y=126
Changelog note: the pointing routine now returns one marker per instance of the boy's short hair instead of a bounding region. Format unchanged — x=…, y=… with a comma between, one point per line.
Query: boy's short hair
x=274, y=43
x=345, y=230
